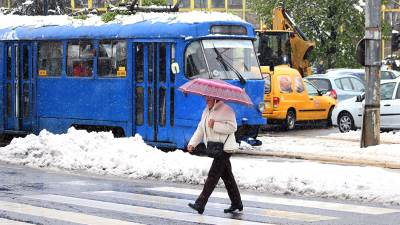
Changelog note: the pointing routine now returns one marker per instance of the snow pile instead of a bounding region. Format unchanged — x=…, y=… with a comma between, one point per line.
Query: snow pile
x=100, y=153
x=94, y=20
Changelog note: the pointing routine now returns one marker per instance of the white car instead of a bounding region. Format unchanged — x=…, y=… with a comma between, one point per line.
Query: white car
x=347, y=114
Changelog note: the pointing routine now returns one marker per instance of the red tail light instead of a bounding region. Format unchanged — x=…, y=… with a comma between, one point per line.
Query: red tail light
x=275, y=102
x=333, y=94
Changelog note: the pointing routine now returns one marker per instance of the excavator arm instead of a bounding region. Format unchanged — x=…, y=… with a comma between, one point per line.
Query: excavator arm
x=300, y=46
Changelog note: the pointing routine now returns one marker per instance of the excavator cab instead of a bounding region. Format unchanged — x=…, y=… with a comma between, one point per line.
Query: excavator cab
x=274, y=48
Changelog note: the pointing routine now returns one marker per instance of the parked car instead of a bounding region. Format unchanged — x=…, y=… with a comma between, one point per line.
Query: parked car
x=360, y=73
x=289, y=99
x=347, y=114
x=337, y=85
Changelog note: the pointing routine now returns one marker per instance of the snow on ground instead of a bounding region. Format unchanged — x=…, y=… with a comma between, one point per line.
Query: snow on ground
x=100, y=153
x=343, y=146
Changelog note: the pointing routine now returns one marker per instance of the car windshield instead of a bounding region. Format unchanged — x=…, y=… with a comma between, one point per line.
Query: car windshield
x=222, y=59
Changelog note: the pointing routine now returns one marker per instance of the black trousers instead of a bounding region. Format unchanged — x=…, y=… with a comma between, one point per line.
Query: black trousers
x=220, y=168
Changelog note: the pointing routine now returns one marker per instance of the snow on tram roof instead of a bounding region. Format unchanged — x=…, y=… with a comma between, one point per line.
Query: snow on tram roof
x=13, y=21
x=13, y=27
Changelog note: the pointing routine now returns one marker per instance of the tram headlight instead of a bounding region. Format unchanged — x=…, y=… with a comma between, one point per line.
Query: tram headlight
x=261, y=106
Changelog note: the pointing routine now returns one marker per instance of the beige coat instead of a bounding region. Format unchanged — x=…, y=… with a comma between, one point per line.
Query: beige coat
x=224, y=125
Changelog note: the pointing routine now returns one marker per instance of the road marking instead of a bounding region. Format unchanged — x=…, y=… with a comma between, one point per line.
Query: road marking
x=12, y=222
x=287, y=201
x=160, y=213
x=183, y=202
x=60, y=215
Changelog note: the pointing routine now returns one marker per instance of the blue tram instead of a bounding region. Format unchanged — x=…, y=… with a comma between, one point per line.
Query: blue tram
x=124, y=77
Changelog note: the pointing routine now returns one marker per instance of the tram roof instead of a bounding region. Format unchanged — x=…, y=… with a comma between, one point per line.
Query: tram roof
x=141, y=25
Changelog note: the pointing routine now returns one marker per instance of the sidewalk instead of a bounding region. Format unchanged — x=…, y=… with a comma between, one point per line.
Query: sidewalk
x=334, y=148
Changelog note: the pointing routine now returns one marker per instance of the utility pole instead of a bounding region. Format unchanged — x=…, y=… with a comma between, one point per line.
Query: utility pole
x=371, y=120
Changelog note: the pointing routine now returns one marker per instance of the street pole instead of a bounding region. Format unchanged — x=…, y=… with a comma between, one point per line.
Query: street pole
x=370, y=134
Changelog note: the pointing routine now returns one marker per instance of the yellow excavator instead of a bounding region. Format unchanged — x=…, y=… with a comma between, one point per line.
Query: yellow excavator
x=284, y=44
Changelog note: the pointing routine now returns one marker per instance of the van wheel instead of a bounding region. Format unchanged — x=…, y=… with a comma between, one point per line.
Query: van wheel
x=329, y=119
x=290, y=120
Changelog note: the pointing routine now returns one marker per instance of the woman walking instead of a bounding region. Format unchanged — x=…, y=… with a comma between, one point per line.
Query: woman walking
x=217, y=124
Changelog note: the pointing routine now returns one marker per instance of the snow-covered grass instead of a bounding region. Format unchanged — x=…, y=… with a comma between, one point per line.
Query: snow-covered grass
x=100, y=153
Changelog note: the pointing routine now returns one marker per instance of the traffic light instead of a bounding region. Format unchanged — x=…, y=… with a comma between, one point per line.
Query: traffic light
x=395, y=41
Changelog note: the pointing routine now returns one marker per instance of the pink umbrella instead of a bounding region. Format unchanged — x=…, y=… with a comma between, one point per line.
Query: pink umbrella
x=217, y=89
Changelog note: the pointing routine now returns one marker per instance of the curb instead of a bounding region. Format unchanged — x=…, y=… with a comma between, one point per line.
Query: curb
x=321, y=158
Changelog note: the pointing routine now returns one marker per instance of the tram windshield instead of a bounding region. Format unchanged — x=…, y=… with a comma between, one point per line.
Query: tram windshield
x=222, y=59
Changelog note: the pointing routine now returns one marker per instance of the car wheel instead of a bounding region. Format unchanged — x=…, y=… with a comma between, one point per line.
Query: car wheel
x=290, y=120
x=345, y=122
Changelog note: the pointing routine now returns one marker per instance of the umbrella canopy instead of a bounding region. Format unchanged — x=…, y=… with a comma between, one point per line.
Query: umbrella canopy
x=217, y=89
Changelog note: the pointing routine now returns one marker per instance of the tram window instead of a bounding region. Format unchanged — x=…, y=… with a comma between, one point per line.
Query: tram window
x=171, y=106
x=25, y=71
x=80, y=58
x=162, y=107
x=162, y=62
x=150, y=63
x=172, y=61
x=112, y=59
x=139, y=62
x=195, y=64
x=9, y=93
x=26, y=99
x=150, y=106
x=9, y=51
x=50, y=57
x=139, y=101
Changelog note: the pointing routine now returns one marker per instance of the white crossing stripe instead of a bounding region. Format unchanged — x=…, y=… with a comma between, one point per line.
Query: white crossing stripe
x=60, y=215
x=12, y=222
x=160, y=213
x=183, y=202
x=286, y=201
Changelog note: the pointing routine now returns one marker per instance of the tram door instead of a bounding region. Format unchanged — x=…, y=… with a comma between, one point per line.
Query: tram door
x=18, y=87
x=154, y=88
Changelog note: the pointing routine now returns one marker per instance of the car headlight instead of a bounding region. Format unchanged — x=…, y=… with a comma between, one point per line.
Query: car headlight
x=261, y=106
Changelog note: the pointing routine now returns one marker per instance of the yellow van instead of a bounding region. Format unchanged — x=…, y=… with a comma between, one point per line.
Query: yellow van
x=289, y=99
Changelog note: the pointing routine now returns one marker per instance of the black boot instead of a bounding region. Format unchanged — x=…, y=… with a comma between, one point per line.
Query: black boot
x=197, y=207
x=232, y=208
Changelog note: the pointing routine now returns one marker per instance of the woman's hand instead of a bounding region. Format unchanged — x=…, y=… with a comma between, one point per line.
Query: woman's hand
x=190, y=148
x=211, y=123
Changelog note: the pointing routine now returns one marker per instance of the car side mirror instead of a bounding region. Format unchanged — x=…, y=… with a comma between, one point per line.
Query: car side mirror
x=175, y=68
x=359, y=98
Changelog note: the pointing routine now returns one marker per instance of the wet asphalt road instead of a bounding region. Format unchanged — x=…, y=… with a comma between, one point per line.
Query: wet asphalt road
x=27, y=195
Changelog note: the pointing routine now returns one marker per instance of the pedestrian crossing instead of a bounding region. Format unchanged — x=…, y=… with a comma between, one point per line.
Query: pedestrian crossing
x=168, y=204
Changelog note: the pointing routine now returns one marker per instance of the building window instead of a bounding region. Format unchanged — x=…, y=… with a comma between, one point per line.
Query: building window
x=217, y=3
x=50, y=58
x=80, y=58
x=81, y=3
x=185, y=4
x=104, y=3
x=202, y=4
x=112, y=59
x=235, y=4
